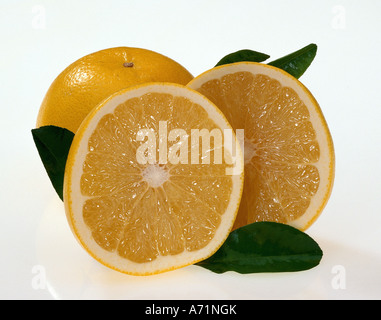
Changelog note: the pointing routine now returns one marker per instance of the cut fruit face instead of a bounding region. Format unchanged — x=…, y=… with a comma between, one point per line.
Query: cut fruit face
x=140, y=196
x=288, y=149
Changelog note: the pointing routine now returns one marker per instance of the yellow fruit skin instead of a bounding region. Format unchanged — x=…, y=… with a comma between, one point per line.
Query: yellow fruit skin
x=88, y=81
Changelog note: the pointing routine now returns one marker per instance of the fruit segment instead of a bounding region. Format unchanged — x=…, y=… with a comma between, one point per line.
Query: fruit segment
x=285, y=133
x=143, y=212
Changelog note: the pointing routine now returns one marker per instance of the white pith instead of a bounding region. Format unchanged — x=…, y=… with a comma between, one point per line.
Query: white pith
x=155, y=175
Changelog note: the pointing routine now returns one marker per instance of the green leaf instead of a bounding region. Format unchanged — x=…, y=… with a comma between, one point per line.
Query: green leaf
x=296, y=63
x=53, y=145
x=265, y=247
x=243, y=55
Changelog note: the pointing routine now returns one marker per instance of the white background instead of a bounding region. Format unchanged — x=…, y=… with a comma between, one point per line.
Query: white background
x=40, y=258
